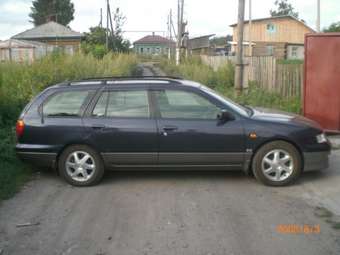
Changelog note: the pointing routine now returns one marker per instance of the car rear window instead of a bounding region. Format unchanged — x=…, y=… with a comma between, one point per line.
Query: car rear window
x=67, y=103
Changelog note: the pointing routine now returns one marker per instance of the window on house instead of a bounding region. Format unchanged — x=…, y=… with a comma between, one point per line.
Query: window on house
x=141, y=50
x=271, y=28
x=295, y=50
x=270, y=50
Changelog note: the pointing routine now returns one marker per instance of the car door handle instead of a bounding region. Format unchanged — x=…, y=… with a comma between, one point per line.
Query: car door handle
x=170, y=128
x=98, y=126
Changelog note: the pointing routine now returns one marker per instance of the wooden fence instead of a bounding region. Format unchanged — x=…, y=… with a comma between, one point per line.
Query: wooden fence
x=268, y=73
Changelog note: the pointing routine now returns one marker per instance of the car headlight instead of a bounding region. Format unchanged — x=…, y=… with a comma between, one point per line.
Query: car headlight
x=322, y=138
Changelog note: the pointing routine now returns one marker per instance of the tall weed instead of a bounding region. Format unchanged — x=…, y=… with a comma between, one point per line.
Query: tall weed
x=20, y=82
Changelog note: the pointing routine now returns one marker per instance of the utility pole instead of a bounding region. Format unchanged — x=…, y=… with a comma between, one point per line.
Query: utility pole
x=239, y=53
x=170, y=34
x=101, y=18
x=180, y=14
x=318, y=20
x=250, y=39
x=111, y=30
x=107, y=24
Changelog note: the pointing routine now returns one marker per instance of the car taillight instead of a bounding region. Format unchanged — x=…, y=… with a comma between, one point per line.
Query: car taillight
x=20, y=128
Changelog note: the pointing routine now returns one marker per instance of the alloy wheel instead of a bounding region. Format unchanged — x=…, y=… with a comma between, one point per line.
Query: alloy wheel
x=80, y=166
x=277, y=165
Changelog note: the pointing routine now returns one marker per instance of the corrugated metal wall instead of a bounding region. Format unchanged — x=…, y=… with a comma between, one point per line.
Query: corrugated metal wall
x=322, y=79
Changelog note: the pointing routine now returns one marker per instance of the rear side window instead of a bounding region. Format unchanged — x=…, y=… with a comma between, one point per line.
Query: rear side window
x=67, y=103
x=123, y=104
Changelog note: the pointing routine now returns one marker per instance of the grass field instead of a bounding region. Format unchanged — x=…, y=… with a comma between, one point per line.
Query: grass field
x=20, y=82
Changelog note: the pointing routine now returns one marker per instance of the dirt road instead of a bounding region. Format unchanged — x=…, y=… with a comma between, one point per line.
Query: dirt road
x=167, y=213
x=173, y=213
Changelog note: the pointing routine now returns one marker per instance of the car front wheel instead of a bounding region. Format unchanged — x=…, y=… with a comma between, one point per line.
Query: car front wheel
x=80, y=166
x=277, y=164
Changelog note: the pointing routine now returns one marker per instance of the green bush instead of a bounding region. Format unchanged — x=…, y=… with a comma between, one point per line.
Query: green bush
x=194, y=69
x=96, y=50
x=222, y=80
x=20, y=82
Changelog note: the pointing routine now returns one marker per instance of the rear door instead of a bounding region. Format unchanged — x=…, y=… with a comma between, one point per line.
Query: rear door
x=122, y=128
x=191, y=134
x=58, y=121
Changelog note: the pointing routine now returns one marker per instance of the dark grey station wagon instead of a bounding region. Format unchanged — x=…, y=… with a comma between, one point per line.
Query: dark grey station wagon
x=82, y=128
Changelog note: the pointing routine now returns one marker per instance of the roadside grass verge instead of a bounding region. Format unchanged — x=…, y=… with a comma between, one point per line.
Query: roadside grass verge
x=222, y=80
x=20, y=82
x=328, y=216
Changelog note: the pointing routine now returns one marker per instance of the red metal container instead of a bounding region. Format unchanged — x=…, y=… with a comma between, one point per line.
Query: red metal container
x=322, y=79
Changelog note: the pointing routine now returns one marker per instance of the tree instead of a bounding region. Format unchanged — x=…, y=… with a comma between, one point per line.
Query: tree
x=60, y=11
x=97, y=35
x=118, y=42
x=95, y=40
x=283, y=8
x=334, y=27
x=221, y=40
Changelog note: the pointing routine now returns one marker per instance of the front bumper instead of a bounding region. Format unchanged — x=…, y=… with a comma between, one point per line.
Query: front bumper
x=314, y=161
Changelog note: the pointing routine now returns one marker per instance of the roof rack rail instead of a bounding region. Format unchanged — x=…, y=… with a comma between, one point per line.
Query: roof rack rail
x=104, y=80
x=134, y=77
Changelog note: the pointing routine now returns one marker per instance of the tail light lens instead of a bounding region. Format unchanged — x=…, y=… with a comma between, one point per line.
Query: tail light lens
x=20, y=128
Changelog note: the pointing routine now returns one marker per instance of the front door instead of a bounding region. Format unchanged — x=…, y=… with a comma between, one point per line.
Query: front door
x=122, y=129
x=191, y=134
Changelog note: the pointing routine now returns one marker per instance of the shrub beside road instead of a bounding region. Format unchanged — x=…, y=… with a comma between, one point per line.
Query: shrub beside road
x=20, y=82
x=222, y=81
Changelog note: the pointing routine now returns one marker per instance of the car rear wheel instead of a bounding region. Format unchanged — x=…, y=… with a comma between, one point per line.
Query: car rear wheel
x=277, y=164
x=80, y=165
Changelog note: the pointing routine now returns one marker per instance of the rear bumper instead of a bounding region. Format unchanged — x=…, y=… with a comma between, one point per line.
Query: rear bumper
x=314, y=161
x=38, y=158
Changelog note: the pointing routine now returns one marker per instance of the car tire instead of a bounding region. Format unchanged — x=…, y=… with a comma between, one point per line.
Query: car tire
x=277, y=164
x=81, y=166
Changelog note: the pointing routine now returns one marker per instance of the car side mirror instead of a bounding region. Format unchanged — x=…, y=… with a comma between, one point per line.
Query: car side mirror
x=225, y=116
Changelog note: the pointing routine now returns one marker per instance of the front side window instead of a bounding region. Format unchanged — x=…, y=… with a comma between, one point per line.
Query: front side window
x=176, y=104
x=68, y=103
x=123, y=104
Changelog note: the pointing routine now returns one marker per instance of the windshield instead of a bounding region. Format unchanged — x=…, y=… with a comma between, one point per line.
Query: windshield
x=243, y=110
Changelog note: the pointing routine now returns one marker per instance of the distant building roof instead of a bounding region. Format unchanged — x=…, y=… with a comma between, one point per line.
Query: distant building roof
x=50, y=30
x=154, y=39
x=200, y=42
x=277, y=17
x=14, y=43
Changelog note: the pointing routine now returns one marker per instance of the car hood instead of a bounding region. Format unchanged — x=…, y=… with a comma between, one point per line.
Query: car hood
x=282, y=117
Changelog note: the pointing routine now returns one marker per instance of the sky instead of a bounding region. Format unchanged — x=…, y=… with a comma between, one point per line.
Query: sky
x=204, y=17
